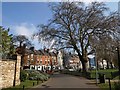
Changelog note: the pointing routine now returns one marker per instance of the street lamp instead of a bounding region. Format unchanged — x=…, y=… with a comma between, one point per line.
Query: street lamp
x=96, y=68
x=117, y=49
x=95, y=60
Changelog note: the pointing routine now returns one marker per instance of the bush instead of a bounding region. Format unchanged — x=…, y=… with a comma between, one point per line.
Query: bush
x=36, y=75
x=23, y=75
x=117, y=85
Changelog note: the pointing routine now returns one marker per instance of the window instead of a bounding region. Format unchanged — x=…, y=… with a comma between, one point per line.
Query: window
x=40, y=61
x=32, y=61
x=48, y=61
x=37, y=61
x=45, y=61
x=28, y=62
x=31, y=55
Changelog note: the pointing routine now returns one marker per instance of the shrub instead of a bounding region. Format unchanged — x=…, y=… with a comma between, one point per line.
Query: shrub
x=36, y=75
x=117, y=85
x=23, y=75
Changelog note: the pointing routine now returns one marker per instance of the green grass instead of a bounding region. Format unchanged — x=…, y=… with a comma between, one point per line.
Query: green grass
x=105, y=86
x=116, y=78
x=114, y=86
x=107, y=72
x=27, y=84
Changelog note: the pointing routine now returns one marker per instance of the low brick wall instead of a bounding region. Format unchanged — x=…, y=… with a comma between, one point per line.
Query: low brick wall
x=10, y=72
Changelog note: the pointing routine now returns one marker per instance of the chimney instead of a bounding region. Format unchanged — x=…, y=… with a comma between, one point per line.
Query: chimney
x=32, y=48
x=47, y=50
x=44, y=48
x=24, y=46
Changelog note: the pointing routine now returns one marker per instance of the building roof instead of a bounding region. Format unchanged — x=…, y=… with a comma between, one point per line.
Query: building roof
x=44, y=52
x=28, y=51
x=40, y=52
x=36, y=52
x=52, y=54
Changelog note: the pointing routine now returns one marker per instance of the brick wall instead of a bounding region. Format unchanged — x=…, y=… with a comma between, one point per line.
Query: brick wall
x=10, y=72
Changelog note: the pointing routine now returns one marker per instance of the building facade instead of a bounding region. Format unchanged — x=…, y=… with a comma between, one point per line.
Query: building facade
x=42, y=60
x=60, y=60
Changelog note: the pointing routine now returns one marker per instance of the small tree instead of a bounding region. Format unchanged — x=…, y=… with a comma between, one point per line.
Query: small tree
x=6, y=43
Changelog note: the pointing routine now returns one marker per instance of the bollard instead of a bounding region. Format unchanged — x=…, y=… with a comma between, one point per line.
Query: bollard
x=23, y=87
x=37, y=82
x=102, y=78
x=33, y=83
x=109, y=84
x=111, y=75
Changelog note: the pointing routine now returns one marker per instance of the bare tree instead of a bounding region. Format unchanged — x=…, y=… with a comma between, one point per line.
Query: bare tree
x=21, y=39
x=74, y=25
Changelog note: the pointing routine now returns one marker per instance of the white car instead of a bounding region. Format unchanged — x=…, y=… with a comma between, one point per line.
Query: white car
x=71, y=69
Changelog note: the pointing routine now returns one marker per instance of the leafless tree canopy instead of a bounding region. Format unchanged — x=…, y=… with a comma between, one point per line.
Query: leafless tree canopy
x=22, y=39
x=76, y=25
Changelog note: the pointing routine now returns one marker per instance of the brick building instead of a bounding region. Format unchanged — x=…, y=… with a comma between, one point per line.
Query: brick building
x=37, y=59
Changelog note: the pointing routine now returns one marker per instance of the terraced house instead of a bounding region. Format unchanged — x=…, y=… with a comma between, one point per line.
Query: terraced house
x=42, y=60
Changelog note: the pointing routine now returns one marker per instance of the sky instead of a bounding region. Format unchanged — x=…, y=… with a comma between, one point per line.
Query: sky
x=24, y=17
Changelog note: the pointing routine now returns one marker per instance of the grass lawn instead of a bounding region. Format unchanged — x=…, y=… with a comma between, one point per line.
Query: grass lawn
x=116, y=78
x=105, y=86
x=114, y=86
x=27, y=84
x=107, y=72
x=92, y=73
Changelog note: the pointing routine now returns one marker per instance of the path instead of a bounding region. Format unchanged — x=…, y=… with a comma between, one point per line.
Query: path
x=67, y=81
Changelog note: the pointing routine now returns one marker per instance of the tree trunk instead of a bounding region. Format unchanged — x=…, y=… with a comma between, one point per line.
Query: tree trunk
x=83, y=61
x=111, y=65
x=20, y=44
x=82, y=58
x=84, y=68
x=107, y=65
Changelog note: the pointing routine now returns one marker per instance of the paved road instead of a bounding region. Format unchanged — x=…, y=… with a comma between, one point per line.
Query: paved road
x=67, y=81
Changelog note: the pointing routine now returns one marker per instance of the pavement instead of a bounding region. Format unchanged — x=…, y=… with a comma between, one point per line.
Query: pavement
x=67, y=81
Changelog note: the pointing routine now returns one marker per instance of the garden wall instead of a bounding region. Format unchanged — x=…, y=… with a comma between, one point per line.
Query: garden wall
x=10, y=72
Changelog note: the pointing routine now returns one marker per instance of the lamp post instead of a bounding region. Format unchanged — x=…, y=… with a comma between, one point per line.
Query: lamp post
x=117, y=49
x=96, y=67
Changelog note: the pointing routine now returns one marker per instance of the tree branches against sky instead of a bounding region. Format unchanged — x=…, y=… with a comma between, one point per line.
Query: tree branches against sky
x=58, y=0
x=23, y=16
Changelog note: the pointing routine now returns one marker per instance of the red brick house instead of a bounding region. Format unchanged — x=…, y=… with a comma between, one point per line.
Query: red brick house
x=37, y=59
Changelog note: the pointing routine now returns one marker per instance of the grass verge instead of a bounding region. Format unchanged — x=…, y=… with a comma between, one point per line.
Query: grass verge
x=107, y=72
x=27, y=84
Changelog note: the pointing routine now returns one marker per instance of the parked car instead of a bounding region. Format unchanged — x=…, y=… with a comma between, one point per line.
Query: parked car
x=71, y=69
